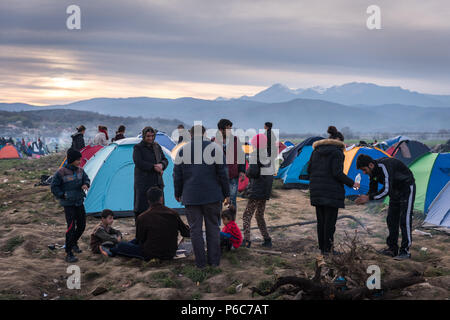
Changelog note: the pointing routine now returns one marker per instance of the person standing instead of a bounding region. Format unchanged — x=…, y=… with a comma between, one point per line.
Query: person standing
x=326, y=186
x=399, y=184
x=260, y=174
x=183, y=134
x=120, y=134
x=101, y=138
x=78, y=138
x=69, y=185
x=201, y=186
x=150, y=163
x=234, y=155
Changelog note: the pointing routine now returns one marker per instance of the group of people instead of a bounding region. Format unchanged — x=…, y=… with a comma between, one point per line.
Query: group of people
x=27, y=148
x=208, y=191
x=101, y=138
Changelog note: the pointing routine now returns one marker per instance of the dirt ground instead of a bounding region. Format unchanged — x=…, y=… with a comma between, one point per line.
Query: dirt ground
x=30, y=220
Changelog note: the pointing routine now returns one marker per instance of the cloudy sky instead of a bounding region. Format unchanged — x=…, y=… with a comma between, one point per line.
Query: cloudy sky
x=210, y=48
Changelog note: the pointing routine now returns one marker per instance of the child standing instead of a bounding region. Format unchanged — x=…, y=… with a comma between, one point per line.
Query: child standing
x=230, y=235
x=104, y=234
x=69, y=185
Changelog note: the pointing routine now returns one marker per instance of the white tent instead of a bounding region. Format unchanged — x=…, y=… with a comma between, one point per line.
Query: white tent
x=439, y=210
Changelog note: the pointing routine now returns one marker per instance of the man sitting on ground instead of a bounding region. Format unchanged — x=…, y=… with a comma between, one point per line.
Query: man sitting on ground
x=156, y=232
x=104, y=234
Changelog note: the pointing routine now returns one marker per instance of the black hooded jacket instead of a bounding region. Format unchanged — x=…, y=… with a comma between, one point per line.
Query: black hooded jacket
x=326, y=175
x=78, y=141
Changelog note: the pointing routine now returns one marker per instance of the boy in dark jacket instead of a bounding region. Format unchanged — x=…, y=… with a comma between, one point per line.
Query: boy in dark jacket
x=104, y=234
x=69, y=185
x=230, y=236
x=399, y=184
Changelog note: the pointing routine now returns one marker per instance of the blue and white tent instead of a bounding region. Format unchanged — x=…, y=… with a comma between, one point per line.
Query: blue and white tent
x=111, y=171
x=439, y=210
x=164, y=140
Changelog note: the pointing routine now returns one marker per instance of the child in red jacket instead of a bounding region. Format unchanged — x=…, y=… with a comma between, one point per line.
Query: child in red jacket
x=231, y=234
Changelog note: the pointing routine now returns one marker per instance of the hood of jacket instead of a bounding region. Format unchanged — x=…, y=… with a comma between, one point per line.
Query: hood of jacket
x=328, y=145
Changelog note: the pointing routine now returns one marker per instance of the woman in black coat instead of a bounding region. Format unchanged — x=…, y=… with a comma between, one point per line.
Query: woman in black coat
x=326, y=185
x=78, y=138
x=150, y=163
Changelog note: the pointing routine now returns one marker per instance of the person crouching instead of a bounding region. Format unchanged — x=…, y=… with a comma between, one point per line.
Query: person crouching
x=104, y=234
x=230, y=236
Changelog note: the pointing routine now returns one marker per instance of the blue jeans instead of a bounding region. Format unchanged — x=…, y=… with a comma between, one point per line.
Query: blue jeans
x=129, y=249
x=234, y=184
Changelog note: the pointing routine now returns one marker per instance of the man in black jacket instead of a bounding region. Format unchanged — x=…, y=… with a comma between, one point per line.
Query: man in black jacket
x=150, y=163
x=201, y=184
x=398, y=183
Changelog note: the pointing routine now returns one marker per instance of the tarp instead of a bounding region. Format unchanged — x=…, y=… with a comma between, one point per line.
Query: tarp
x=439, y=210
x=111, y=172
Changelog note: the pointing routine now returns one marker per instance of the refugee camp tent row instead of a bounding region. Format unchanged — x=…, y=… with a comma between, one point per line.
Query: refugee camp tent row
x=111, y=171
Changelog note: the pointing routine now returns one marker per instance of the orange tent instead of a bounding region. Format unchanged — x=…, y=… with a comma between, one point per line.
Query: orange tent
x=9, y=152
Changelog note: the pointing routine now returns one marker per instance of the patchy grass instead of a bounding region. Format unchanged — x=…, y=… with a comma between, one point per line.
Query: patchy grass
x=13, y=243
x=166, y=280
x=196, y=274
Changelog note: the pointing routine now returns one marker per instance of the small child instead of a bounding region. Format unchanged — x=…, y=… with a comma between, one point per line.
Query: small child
x=104, y=234
x=231, y=234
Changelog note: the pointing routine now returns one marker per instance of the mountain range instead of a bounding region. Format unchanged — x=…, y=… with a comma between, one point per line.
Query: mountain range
x=361, y=107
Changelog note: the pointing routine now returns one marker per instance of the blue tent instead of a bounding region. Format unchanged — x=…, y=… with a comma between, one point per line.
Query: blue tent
x=295, y=164
x=164, y=140
x=439, y=210
x=111, y=171
x=397, y=139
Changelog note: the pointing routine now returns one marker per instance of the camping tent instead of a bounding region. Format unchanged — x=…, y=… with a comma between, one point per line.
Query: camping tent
x=86, y=153
x=111, y=171
x=350, y=167
x=397, y=139
x=439, y=210
x=408, y=150
x=432, y=173
x=295, y=163
x=9, y=152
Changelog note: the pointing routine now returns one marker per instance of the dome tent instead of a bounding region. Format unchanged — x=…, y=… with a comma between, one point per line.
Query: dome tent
x=350, y=167
x=163, y=140
x=86, y=153
x=295, y=163
x=9, y=152
x=408, y=150
x=111, y=171
x=439, y=210
x=432, y=173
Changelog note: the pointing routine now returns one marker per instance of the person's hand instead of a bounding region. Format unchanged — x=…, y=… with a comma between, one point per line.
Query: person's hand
x=85, y=187
x=356, y=185
x=178, y=199
x=226, y=202
x=158, y=167
x=241, y=176
x=362, y=199
x=119, y=237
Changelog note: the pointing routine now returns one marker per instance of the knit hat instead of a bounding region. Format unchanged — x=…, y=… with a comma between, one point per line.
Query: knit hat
x=73, y=155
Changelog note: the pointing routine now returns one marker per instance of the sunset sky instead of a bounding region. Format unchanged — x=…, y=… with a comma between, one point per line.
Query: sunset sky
x=210, y=48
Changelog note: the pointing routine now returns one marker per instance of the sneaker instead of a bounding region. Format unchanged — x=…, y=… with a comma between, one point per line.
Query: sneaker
x=70, y=258
x=390, y=252
x=247, y=243
x=105, y=251
x=267, y=243
x=403, y=256
x=76, y=249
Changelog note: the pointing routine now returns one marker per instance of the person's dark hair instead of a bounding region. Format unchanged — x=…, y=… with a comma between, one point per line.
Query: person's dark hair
x=154, y=195
x=180, y=126
x=223, y=123
x=195, y=128
x=121, y=128
x=363, y=160
x=146, y=130
x=229, y=213
x=102, y=128
x=268, y=125
x=106, y=213
x=334, y=133
x=81, y=128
